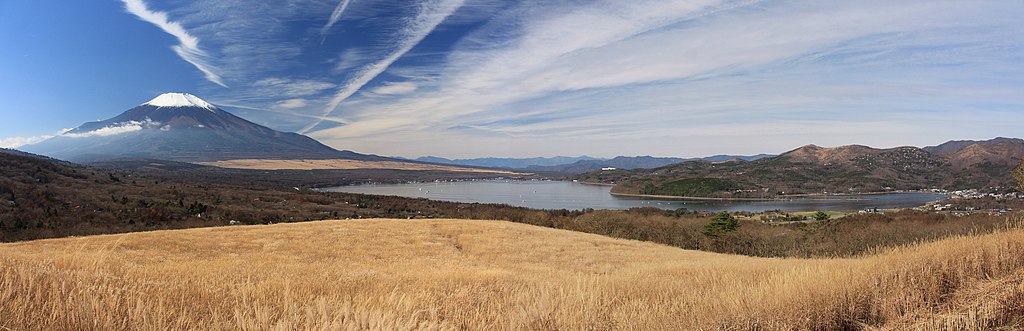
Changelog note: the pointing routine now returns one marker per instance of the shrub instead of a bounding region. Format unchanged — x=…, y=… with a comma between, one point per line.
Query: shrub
x=723, y=223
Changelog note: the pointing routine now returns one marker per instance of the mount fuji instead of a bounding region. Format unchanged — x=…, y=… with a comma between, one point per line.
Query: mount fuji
x=183, y=127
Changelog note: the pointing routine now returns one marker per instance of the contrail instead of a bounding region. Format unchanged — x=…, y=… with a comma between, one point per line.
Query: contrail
x=417, y=28
x=188, y=47
x=335, y=16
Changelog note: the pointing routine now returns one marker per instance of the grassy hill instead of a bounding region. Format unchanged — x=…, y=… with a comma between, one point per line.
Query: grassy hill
x=464, y=274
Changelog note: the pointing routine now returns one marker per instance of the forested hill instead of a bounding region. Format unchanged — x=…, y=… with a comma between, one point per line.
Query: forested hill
x=847, y=169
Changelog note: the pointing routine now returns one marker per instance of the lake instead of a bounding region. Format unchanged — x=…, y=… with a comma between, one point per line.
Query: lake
x=543, y=194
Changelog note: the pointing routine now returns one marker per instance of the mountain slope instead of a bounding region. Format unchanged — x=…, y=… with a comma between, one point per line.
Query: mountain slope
x=845, y=169
x=182, y=127
x=953, y=146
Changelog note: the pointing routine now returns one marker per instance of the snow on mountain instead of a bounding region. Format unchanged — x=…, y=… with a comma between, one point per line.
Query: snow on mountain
x=183, y=127
x=179, y=100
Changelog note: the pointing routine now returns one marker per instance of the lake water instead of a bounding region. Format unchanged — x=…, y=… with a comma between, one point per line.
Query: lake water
x=569, y=195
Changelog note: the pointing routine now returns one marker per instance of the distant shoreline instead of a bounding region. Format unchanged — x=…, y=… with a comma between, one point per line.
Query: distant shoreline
x=805, y=197
x=592, y=183
x=783, y=198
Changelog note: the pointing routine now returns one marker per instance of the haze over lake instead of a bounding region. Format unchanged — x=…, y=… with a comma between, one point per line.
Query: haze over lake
x=569, y=195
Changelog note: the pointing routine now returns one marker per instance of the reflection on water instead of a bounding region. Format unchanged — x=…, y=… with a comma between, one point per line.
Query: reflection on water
x=569, y=195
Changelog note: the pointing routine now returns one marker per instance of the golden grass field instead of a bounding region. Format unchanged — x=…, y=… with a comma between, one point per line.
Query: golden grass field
x=339, y=164
x=474, y=275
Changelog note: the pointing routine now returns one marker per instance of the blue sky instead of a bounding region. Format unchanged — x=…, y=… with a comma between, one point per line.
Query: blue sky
x=473, y=78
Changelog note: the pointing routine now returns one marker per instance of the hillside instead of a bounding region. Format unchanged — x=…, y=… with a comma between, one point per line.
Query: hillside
x=846, y=169
x=953, y=146
x=450, y=275
x=43, y=198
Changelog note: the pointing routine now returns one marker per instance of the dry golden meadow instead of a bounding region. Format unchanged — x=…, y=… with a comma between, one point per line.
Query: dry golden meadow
x=473, y=275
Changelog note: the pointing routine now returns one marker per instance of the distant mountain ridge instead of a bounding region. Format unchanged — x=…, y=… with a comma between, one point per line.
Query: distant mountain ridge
x=958, y=145
x=813, y=169
x=508, y=163
x=182, y=127
x=636, y=162
x=580, y=164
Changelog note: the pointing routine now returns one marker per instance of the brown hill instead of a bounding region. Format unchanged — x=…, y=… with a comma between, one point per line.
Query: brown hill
x=822, y=155
x=1002, y=153
x=957, y=145
x=845, y=169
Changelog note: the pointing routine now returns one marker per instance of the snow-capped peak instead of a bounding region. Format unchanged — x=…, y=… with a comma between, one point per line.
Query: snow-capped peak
x=179, y=100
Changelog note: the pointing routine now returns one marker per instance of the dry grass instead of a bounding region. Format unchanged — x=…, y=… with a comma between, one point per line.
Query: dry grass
x=339, y=164
x=458, y=274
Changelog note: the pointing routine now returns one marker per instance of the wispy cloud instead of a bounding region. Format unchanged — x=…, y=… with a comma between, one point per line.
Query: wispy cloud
x=110, y=130
x=653, y=70
x=188, y=47
x=116, y=129
x=15, y=142
x=431, y=13
x=284, y=87
x=292, y=103
x=392, y=88
x=335, y=16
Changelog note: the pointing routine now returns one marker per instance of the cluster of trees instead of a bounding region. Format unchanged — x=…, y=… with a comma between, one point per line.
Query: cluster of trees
x=721, y=224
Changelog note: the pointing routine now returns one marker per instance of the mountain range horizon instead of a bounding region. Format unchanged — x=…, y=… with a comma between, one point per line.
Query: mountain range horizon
x=182, y=127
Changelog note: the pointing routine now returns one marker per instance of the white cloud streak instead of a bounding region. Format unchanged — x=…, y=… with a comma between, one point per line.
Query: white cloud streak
x=110, y=130
x=116, y=129
x=392, y=88
x=188, y=47
x=292, y=104
x=335, y=16
x=283, y=87
x=430, y=15
x=15, y=142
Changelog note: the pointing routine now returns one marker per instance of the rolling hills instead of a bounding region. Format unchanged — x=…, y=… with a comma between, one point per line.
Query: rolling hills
x=813, y=169
x=42, y=197
x=471, y=275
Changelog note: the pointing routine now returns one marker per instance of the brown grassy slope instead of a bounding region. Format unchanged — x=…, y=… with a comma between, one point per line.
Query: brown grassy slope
x=459, y=274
